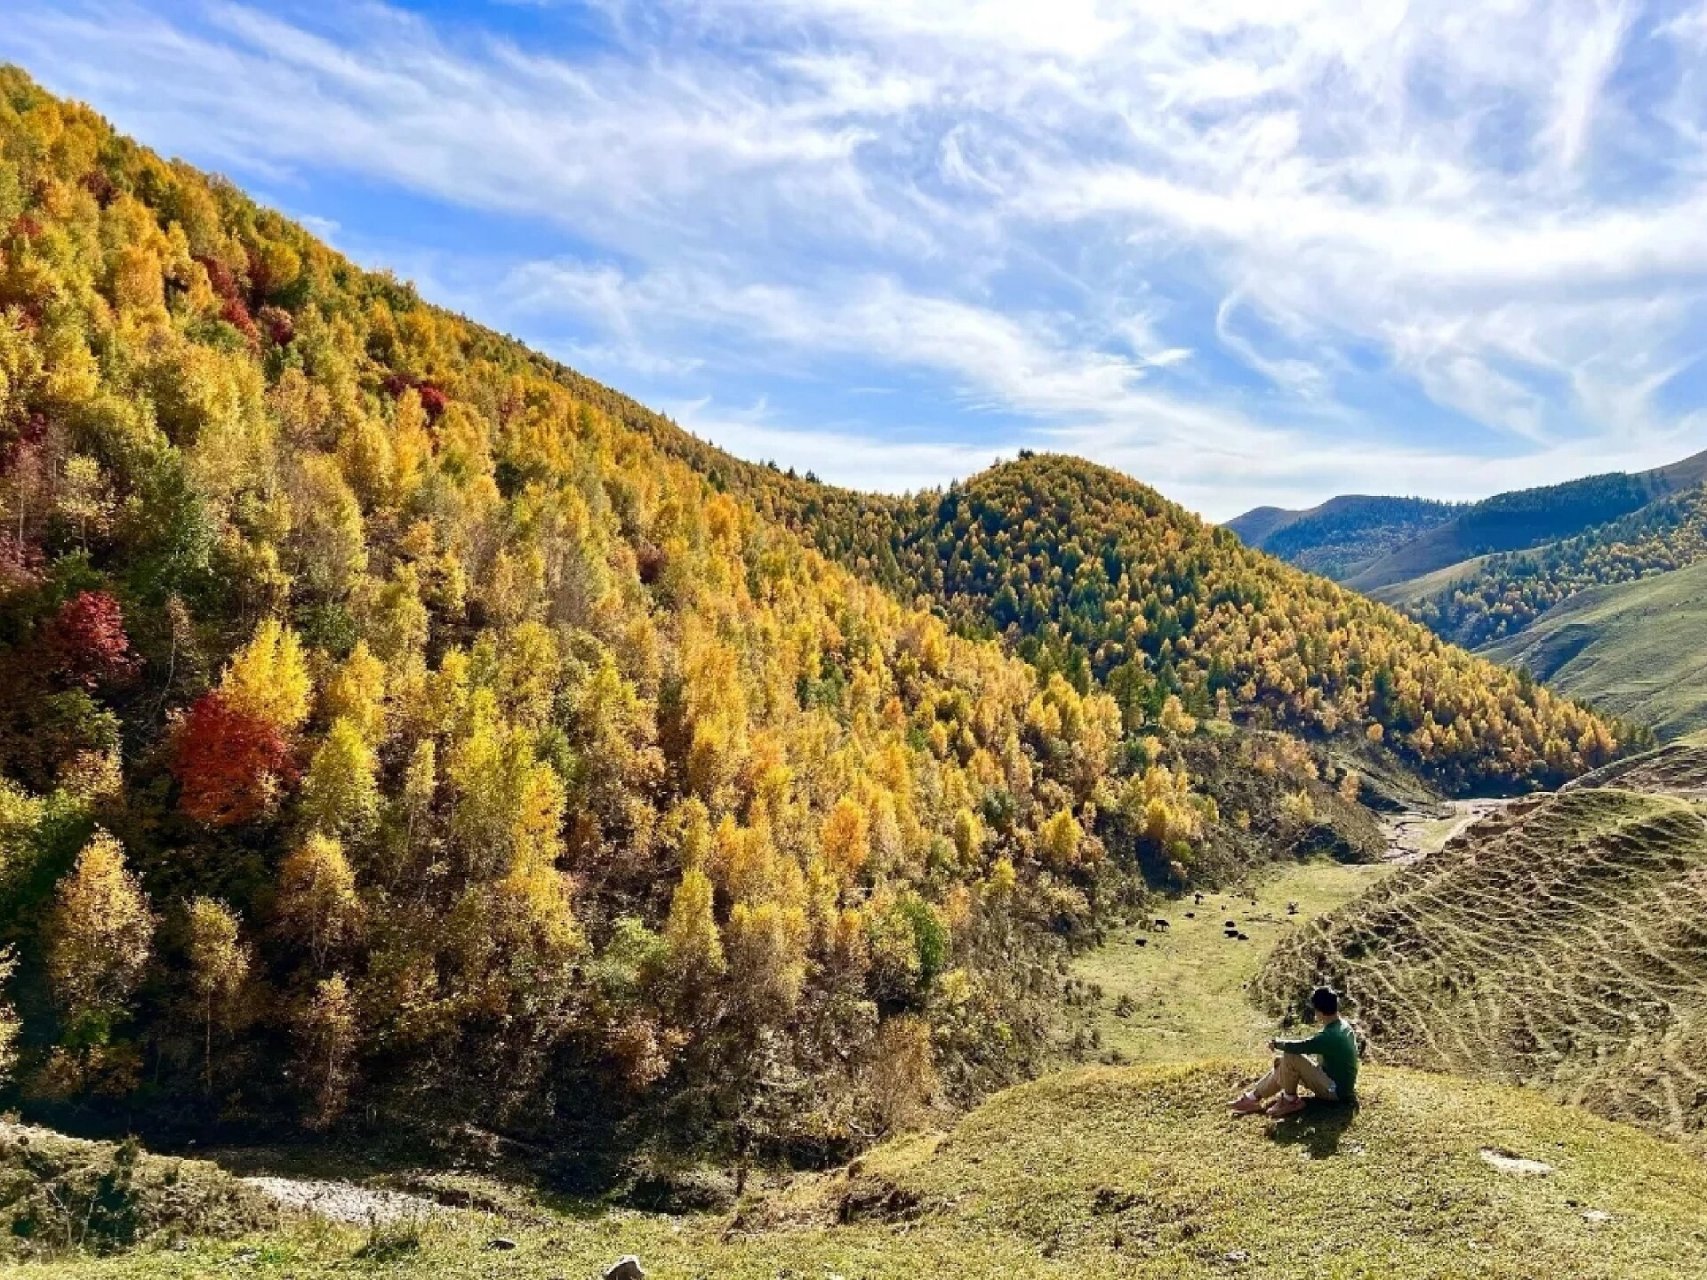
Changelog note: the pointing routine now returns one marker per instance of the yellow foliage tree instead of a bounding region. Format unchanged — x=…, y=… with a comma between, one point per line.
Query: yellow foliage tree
x=766, y=947
x=219, y=967
x=845, y=840
x=268, y=678
x=1060, y=840
x=317, y=901
x=355, y=691
x=325, y=1030
x=340, y=796
x=690, y=932
x=100, y=933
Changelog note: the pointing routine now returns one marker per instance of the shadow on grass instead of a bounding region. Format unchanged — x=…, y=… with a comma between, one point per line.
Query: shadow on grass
x=1318, y=1128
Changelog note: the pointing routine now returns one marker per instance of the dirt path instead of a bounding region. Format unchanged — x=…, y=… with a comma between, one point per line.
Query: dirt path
x=344, y=1201
x=1412, y=835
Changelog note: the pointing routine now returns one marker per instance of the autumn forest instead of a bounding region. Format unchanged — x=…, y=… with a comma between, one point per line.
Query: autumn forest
x=396, y=727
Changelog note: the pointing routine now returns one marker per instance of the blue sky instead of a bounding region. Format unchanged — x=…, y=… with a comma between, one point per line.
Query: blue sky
x=1246, y=250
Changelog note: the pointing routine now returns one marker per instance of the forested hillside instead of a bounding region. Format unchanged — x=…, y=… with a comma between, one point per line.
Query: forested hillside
x=1342, y=536
x=1632, y=649
x=395, y=725
x=1090, y=574
x=1505, y=593
x=378, y=707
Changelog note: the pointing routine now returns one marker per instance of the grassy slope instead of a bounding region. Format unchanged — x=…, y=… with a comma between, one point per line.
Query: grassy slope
x=1186, y=987
x=1429, y=584
x=58, y=1192
x=1133, y=1172
x=1631, y=649
x=1562, y=945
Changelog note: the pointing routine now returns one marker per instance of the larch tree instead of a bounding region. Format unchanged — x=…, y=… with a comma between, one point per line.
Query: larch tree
x=100, y=935
x=325, y=1031
x=690, y=934
x=268, y=678
x=845, y=840
x=318, y=905
x=340, y=793
x=219, y=968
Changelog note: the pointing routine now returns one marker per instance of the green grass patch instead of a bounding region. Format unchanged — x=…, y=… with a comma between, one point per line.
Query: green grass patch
x=1631, y=650
x=1180, y=995
x=1132, y=1172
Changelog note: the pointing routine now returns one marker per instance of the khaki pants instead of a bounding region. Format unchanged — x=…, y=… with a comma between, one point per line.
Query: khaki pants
x=1290, y=1071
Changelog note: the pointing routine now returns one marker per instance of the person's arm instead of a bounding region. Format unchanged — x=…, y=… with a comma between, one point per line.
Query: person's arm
x=1311, y=1044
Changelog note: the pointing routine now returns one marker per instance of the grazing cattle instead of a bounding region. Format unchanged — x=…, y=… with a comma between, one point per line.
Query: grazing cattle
x=1160, y=925
x=1191, y=915
x=1143, y=942
x=1231, y=924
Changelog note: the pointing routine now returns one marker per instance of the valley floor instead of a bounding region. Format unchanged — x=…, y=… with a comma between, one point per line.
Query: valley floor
x=1133, y=1170
x=1152, y=996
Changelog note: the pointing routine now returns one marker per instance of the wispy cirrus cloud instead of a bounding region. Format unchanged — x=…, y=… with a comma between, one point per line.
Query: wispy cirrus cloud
x=1251, y=251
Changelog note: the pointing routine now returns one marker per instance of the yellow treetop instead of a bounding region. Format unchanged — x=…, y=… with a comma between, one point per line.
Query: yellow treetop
x=269, y=678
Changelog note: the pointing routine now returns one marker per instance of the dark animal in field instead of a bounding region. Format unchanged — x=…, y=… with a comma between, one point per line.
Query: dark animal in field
x=1142, y=942
x=1231, y=924
x=1197, y=898
x=1160, y=925
x=1291, y=908
x=1191, y=915
x=1243, y=937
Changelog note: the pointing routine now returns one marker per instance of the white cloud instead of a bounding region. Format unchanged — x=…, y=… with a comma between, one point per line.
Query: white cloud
x=1247, y=249
x=848, y=458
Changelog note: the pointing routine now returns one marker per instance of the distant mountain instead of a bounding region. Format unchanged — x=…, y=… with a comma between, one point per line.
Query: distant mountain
x=1257, y=523
x=1343, y=535
x=1486, y=600
x=1527, y=518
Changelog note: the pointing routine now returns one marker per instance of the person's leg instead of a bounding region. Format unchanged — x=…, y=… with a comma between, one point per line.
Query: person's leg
x=1281, y=1078
x=1252, y=1099
x=1298, y=1070
x=1312, y=1077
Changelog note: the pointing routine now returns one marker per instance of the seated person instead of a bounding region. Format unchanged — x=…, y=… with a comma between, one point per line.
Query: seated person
x=1335, y=1080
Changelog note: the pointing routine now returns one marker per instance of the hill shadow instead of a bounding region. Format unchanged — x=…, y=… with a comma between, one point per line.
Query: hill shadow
x=1318, y=1128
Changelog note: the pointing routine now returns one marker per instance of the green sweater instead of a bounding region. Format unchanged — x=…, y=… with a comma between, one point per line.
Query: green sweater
x=1337, y=1045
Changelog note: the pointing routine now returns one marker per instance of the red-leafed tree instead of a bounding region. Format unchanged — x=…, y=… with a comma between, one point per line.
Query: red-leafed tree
x=88, y=642
x=229, y=763
x=278, y=323
x=233, y=309
x=433, y=398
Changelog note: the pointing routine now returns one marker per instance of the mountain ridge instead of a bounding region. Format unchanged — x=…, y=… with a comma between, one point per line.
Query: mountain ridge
x=1513, y=520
